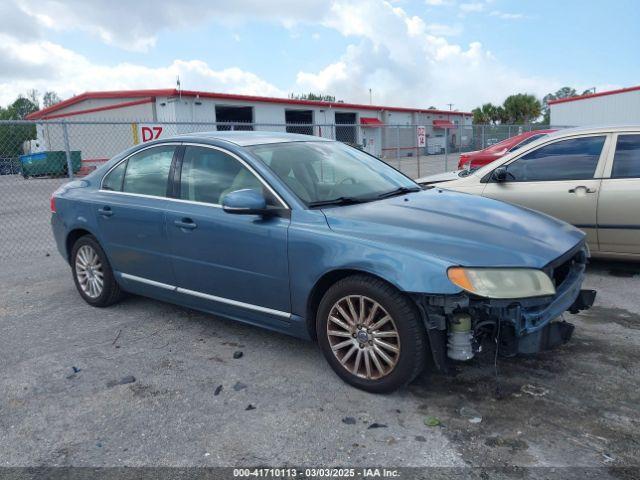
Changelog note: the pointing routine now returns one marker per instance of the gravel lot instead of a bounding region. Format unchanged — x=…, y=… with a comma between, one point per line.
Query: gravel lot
x=147, y=383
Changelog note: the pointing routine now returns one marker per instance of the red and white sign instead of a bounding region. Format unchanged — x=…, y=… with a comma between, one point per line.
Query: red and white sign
x=149, y=131
x=422, y=136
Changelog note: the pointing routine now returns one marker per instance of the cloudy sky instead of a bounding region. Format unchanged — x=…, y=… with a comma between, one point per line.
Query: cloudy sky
x=409, y=52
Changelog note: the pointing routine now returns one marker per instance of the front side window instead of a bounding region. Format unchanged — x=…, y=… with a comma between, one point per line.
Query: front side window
x=626, y=162
x=571, y=159
x=147, y=172
x=209, y=174
x=526, y=141
x=320, y=172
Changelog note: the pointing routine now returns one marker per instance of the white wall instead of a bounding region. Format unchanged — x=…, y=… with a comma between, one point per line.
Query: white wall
x=619, y=108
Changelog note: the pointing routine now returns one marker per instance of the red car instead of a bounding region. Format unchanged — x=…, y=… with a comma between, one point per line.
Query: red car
x=480, y=158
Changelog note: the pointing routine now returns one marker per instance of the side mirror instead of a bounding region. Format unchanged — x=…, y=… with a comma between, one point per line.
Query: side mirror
x=500, y=174
x=245, y=202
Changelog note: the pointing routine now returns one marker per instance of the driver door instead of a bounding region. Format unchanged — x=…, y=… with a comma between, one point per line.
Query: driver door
x=561, y=179
x=236, y=263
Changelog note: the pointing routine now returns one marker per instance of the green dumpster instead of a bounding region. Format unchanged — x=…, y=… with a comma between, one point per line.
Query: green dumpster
x=49, y=163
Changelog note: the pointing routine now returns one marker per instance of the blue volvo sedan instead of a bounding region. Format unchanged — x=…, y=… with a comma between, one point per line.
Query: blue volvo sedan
x=320, y=240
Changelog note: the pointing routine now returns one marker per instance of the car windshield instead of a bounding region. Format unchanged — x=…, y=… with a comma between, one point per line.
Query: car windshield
x=326, y=173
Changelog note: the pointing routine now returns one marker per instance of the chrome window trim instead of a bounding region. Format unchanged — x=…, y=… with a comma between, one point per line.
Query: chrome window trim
x=206, y=296
x=180, y=200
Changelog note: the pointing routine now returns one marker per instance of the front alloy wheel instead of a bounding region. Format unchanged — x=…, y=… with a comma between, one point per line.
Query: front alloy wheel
x=363, y=337
x=371, y=334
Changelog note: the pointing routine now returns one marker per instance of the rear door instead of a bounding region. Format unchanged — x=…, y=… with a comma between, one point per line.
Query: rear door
x=561, y=178
x=619, y=201
x=130, y=208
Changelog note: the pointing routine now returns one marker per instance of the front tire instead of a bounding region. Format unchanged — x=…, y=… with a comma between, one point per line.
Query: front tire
x=371, y=334
x=92, y=273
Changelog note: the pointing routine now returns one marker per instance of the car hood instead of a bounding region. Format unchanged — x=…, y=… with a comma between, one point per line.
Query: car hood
x=458, y=228
x=440, y=177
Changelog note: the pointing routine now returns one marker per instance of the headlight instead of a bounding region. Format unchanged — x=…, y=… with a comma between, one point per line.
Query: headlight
x=502, y=282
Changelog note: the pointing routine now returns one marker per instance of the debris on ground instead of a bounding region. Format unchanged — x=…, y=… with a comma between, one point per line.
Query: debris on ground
x=238, y=354
x=470, y=414
x=534, y=390
x=420, y=438
x=250, y=407
x=349, y=420
x=376, y=425
x=432, y=421
x=239, y=386
x=217, y=390
x=122, y=381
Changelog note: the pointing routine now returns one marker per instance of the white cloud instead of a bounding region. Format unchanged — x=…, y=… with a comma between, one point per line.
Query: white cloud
x=472, y=7
x=438, y=3
x=69, y=73
x=410, y=65
x=506, y=16
x=403, y=58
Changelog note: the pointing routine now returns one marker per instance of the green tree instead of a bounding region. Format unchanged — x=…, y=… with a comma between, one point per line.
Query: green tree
x=50, y=98
x=12, y=136
x=564, y=92
x=488, y=113
x=522, y=108
x=313, y=96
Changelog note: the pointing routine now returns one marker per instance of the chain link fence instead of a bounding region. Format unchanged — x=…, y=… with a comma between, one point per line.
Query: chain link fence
x=38, y=157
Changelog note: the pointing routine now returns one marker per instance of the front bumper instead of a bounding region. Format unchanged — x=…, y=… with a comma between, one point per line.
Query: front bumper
x=523, y=325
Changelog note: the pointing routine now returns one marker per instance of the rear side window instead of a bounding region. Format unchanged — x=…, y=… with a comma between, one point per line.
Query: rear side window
x=113, y=180
x=147, y=172
x=626, y=162
x=572, y=159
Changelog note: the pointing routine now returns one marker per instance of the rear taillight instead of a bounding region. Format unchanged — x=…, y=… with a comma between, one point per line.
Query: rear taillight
x=52, y=203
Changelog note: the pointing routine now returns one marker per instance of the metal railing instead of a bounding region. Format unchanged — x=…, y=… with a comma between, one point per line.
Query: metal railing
x=38, y=157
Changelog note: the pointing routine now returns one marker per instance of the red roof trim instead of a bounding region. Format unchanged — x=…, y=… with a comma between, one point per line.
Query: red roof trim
x=373, y=121
x=88, y=110
x=593, y=95
x=224, y=96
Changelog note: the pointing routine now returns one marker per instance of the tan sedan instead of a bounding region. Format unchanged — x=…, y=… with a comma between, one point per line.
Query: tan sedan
x=589, y=177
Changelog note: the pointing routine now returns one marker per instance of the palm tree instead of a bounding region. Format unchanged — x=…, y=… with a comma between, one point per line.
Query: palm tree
x=522, y=108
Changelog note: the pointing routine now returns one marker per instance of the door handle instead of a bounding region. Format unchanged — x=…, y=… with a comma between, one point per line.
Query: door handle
x=582, y=187
x=185, y=223
x=105, y=211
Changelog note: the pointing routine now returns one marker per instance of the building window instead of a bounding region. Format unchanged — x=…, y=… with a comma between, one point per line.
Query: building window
x=236, y=117
x=299, y=121
x=346, y=127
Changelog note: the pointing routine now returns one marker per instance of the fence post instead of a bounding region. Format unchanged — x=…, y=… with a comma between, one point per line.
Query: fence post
x=446, y=149
x=67, y=149
x=398, y=146
x=482, y=137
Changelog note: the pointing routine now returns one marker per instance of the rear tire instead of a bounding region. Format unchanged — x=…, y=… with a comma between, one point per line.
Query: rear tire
x=377, y=352
x=92, y=273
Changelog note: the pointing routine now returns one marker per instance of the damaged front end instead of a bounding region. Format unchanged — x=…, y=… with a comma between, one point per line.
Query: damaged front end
x=459, y=325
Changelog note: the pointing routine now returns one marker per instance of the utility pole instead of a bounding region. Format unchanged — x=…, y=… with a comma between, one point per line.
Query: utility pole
x=370, y=97
x=450, y=106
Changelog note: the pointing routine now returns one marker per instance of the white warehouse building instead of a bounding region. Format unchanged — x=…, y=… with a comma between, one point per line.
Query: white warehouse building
x=603, y=108
x=144, y=113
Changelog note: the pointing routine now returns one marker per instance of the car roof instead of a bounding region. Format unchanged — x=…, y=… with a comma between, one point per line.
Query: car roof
x=247, y=138
x=562, y=132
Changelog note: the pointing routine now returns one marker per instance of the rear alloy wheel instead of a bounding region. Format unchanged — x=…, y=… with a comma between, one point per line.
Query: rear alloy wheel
x=92, y=273
x=371, y=334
